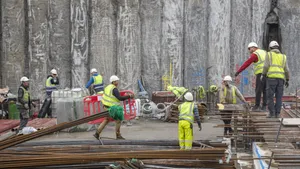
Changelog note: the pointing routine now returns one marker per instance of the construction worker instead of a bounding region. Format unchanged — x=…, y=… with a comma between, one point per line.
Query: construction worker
x=257, y=57
x=187, y=111
x=277, y=72
x=24, y=103
x=110, y=98
x=178, y=91
x=51, y=85
x=96, y=80
x=228, y=94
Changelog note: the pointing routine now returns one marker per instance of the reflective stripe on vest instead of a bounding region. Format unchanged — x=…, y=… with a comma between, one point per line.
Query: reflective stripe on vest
x=233, y=94
x=108, y=98
x=186, y=111
x=259, y=65
x=49, y=86
x=98, y=83
x=277, y=63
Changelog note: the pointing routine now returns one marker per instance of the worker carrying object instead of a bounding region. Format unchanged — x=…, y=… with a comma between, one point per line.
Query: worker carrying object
x=97, y=81
x=111, y=101
x=24, y=103
x=187, y=111
x=257, y=57
x=277, y=72
x=51, y=85
x=228, y=95
x=178, y=91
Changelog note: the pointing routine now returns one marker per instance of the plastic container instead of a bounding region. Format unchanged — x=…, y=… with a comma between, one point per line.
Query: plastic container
x=13, y=112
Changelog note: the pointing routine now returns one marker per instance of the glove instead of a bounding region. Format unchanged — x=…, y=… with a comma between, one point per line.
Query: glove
x=236, y=74
x=261, y=77
x=286, y=83
x=200, y=127
x=26, y=106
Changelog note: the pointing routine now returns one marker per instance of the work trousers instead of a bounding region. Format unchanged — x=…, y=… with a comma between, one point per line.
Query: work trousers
x=227, y=115
x=185, y=134
x=260, y=88
x=105, y=122
x=275, y=86
x=24, y=116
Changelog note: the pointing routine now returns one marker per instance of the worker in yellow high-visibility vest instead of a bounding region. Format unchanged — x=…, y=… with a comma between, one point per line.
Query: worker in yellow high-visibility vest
x=257, y=57
x=97, y=81
x=277, y=72
x=228, y=95
x=111, y=97
x=187, y=111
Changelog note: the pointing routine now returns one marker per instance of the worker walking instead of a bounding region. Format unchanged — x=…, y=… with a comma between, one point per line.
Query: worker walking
x=257, y=57
x=51, y=85
x=228, y=94
x=277, y=72
x=187, y=111
x=23, y=103
x=111, y=98
x=96, y=80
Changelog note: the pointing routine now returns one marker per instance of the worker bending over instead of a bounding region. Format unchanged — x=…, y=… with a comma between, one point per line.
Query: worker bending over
x=187, y=111
x=178, y=91
x=112, y=97
x=228, y=95
x=96, y=80
x=257, y=57
x=277, y=72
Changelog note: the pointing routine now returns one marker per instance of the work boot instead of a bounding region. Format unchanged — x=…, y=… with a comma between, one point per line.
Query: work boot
x=119, y=136
x=264, y=108
x=20, y=132
x=255, y=108
x=277, y=115
x=96, y=135
x=270, y=115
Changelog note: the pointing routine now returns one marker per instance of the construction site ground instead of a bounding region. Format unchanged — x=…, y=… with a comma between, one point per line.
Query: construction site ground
x=142, y=129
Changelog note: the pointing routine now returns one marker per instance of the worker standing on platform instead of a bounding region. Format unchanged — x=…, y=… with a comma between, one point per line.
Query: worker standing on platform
x=24, y=103
x=257, y=57
x=112, y=97
x=277, y=72
x=187, y=111
x=228, y=94
x=97, y=81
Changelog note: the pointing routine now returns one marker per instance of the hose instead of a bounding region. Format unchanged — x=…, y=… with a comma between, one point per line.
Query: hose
x=147, y=108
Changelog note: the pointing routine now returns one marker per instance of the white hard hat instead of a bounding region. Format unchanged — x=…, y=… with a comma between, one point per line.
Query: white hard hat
x=113, y=78
x=252, y=44
x=24, y=79
x=94, y=70
x=188, y=96
x=53, y=71
x=273, y=44
x=227, y=78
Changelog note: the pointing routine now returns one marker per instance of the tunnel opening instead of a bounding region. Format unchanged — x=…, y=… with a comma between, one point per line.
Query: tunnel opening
x=272, y=28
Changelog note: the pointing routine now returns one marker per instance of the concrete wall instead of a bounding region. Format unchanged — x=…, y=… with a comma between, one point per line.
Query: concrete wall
x=202, y=40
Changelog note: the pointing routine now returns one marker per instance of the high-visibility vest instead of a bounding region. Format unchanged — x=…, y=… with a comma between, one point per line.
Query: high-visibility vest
x=259, y=65
x=277, y=63
x=186, y=111
x=178, y=91
x=26, y=95
x=233, y=94
x=98, y=83
x=49, y=86
x=108, y=98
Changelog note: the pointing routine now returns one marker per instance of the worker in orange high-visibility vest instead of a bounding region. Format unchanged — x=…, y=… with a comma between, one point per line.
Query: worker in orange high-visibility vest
x=228, y=95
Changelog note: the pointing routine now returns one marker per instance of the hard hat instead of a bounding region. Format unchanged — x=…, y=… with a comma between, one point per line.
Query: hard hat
x=252, y=44
x=24, y=79
x=113, y=78
x=273, y=44
x=94, y=70
x=227, y=78
x=53, y=71
x=188, y=96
